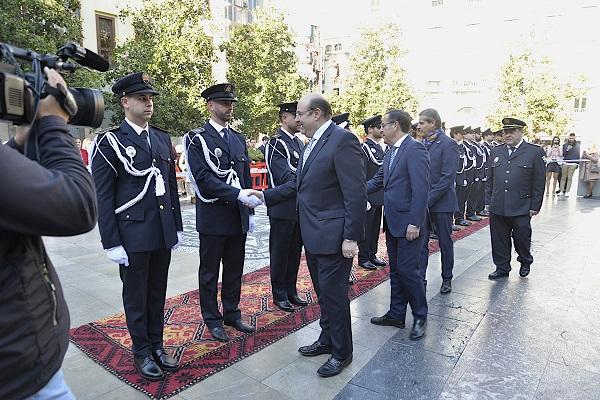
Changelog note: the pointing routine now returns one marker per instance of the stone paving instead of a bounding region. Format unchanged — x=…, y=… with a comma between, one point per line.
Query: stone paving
x=522, y=338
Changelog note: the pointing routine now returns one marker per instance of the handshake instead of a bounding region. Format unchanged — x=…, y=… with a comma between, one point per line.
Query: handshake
x=251, y=198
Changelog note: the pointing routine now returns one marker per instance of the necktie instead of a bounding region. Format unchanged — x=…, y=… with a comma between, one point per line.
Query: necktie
x=307, y=151
x=144, y=136
x=511, y=150
x=394, y=150
x=225, y=135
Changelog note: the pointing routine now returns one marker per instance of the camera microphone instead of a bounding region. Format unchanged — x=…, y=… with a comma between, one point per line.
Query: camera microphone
x=85, y=57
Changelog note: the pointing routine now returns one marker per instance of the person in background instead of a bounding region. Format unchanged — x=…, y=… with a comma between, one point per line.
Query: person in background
x=571, y=154
x=264, y=141
x=591, y=169
x=553, y=158
x=84, y=153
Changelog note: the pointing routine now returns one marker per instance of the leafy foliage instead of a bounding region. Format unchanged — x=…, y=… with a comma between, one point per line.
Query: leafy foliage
x=171, y=45
x=529, y=90
x=376, y=79
x=263, y=67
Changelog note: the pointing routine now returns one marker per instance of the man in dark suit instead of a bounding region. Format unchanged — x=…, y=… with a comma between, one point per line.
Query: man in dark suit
x=404, y=178
x=285, y=245
x=139, y=217
x=514, y=192
x=220, y=171
x=331, y=201
x=373, y=158
x=262, y=147
x=442, y=203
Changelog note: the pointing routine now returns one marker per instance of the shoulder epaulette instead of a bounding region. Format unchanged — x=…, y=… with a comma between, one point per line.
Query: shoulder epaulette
x=160, y=129
x=103, y=131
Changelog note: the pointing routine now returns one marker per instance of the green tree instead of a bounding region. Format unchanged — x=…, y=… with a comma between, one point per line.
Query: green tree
x=169, y=44
x=44, y=26
x=263, y=67
x=376, y=80
x=530, y=90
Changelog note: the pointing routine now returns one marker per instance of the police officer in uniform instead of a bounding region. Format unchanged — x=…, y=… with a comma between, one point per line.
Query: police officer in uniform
x=373, y=156
x=477, y=190
x=139, y=217
x=282, y=153
x=487, y=145
x=463, y=174
x=220, y=172
x=514, y=192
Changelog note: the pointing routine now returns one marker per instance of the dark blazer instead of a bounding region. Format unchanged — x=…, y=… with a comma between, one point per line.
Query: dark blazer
x=331, y=189
x=226, y=216
x=515, y=183
x=280, y=172
x=405, y=186
x=372, y=150
x=443, y=156
x=153, y=222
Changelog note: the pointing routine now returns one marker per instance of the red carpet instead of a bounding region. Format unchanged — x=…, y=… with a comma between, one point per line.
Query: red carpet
x=108, y=343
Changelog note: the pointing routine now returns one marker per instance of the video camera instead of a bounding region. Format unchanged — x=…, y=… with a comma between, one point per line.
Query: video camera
x=20, y=92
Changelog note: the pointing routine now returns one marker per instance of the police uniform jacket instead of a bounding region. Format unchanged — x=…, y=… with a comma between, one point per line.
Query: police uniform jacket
x=280, y=172
x=515, y=184
x=461, y=179
x=373, y=152
x=226, y=216
x=153, y=222
x=487, y=148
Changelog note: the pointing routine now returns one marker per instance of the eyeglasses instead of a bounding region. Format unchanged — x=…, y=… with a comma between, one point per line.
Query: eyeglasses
x=301, y=113
x=383, y=124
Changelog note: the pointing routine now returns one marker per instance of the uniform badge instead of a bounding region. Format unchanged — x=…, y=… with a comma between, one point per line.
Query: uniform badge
x=496, y=159
x=130, y=151
x=296, y=154
x=218, y=152
x=373, y=149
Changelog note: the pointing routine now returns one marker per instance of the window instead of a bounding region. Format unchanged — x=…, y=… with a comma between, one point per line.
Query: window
x=437, y=3
x=336, y=91
x=338, y=47
x=580, y=104
x=105, y=35
x=328, y=48
x=433, y=84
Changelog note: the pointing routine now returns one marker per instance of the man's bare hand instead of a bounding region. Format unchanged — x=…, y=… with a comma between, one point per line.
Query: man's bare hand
x=349, y=248
x=412, y=232
x=49, y=105
x=533, y=213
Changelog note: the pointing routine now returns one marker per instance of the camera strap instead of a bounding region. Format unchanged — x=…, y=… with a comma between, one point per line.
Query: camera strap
x=149, y=173
x=230, y=176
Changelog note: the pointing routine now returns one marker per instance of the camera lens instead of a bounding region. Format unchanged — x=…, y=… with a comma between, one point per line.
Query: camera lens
x=90, y=104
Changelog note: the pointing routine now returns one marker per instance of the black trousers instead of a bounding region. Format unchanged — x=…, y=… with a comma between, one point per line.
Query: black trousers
x=231, y=251
x=406, y=282
x=462, y=193
x=144, y=291
x=285, y=249
x=329, y=274
x=502, y=229
x=476, y=200
x=442, y=221
x=367, y=249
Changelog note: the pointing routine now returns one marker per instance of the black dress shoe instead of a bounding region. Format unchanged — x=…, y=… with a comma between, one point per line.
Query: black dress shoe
x=368, y=265
x=147, y=367
x=333, y=366
x=455, y=228
x=446, y=286
x=484, y=213
x=462, y=222
x=524, y=270
x=386, y=320
x=378, y=262
x=315, y=349
x=218, y=333
x=284, y=305
x=474, y=218
x=297, y=301
x=165, y=361
x=498, y=274
x=418, y=329
x=433, y=236
x=241, y=326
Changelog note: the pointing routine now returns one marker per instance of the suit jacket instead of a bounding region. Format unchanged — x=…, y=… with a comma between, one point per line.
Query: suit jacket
x=515, y=183
x=443, y=156
x=153, y=222
x=280, y=172
x=372, y=150
x=405, y=186
x=331, y=192
x=226, y=216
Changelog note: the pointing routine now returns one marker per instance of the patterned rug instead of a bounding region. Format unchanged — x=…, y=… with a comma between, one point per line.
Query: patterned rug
x=185, y=337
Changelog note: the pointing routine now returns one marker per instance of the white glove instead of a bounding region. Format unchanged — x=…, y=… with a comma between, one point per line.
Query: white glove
x=247, y=199
x=179, y=240
x=251, y=223
x=368, y=206
x=118, y=255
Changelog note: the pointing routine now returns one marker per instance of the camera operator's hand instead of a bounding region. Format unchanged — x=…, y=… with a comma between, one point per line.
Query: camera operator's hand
x=118, y=255
x=49, y=105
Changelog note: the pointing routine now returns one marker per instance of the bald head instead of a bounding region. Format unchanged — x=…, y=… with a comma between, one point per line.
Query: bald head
x=313, y=111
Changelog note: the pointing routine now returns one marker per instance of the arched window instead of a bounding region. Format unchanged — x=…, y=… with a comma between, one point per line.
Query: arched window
x=338, y=47
x=328, y=48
